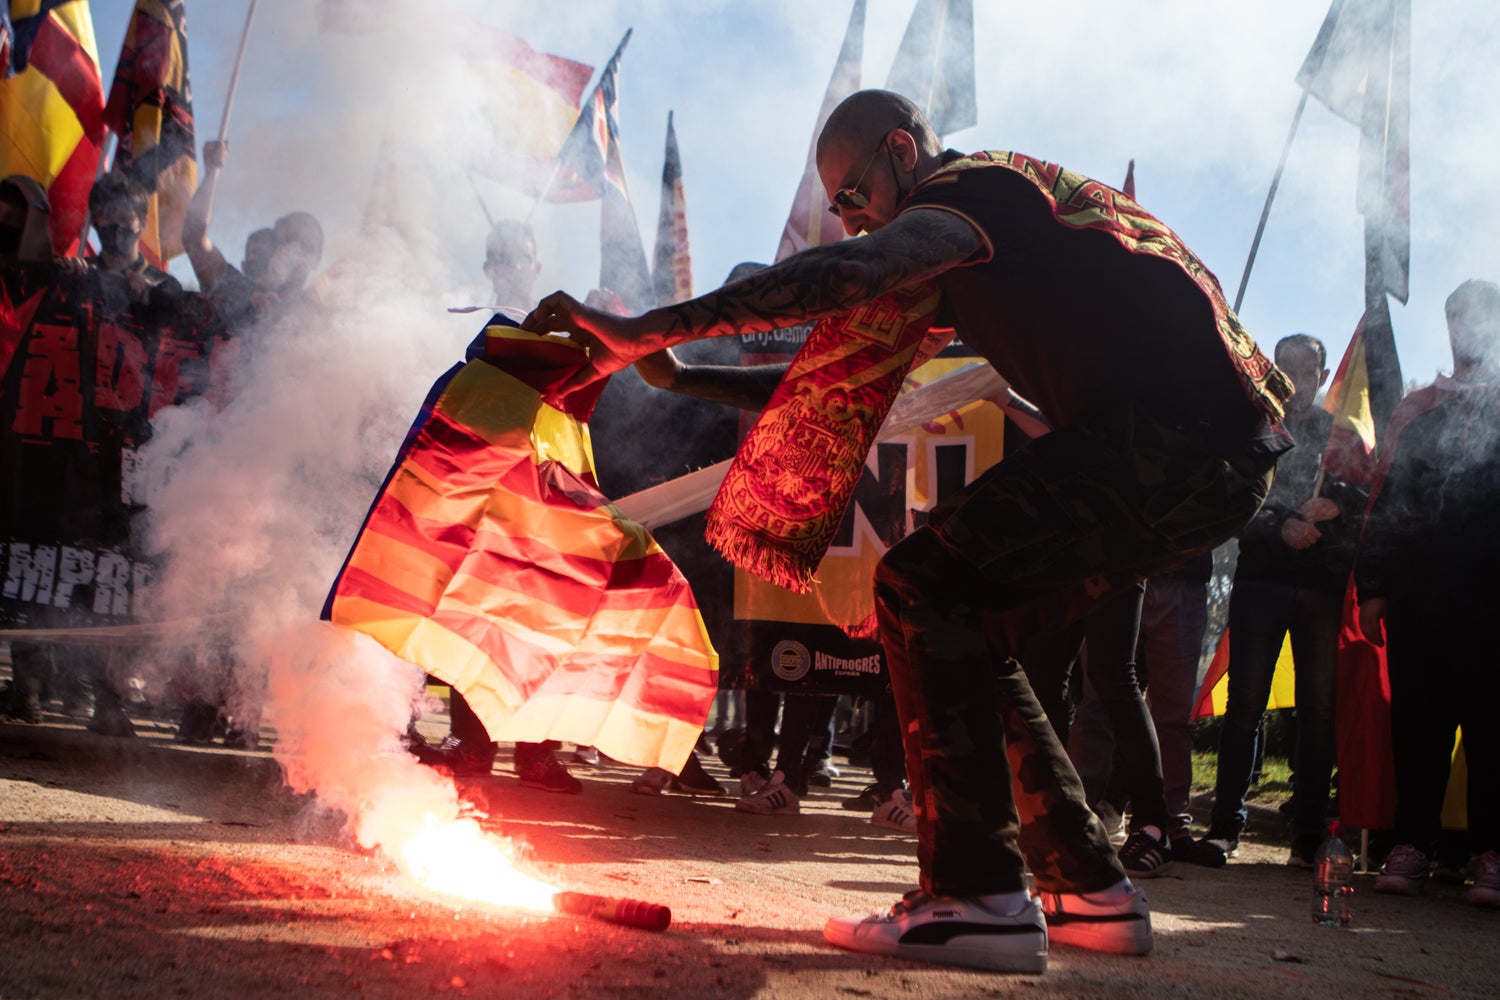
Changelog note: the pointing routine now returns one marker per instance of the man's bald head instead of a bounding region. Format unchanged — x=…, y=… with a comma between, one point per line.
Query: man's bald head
x=864, y=118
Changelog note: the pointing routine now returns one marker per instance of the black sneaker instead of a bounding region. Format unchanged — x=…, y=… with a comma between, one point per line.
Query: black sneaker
x=548, y=773
x=1145, y=855
x=1304, y=850
x=694, y=780
x=1213, y=851
x=461, y=758
x=865, y=801
x=821, y=773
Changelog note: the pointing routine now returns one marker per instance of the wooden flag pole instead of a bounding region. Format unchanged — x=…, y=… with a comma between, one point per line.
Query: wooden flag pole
x=1265, y=212
x=234, y=76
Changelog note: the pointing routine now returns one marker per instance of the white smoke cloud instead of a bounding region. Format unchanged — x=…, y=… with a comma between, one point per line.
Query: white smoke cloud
x=264, y=498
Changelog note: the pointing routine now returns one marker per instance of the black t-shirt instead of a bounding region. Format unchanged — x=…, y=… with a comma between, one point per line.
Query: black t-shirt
x=1072, y=319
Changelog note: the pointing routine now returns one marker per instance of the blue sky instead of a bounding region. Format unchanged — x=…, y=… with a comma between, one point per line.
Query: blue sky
x=1199, y=92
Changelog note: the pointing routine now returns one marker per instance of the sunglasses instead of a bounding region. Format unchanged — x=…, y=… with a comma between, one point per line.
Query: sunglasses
x=850, y=197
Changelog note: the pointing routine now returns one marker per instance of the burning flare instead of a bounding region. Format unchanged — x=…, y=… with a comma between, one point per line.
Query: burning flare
x=457, y=858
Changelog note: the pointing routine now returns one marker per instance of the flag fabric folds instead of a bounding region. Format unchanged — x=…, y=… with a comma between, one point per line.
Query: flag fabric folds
x=935, y=64
x=673, y=271
x=491, y=560
x=590, y=166
x=150, y=108
x=1363, y=395
x=1213, y=691
x=809, y=224
x=529, y=102
x=52, y=109
x=1360, y=67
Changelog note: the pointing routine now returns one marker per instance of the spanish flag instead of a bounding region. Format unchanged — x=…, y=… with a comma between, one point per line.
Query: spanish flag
x=52, y=109
x=491, y=560
x=151, y=109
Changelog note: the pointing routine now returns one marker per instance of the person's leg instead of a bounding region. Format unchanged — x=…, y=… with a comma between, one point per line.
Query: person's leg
x=1258, y=615
x=1112, y=634
x=971, y=724
x=1091, y=746
x=1174, y=618
x=1424, y=715
x=1034, y=543
x=1049, y=660
x=761, y=709
x=1315, y=650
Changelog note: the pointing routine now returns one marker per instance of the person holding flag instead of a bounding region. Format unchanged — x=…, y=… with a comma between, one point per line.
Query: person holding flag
x=1164, y=447
x=1426, y=578
x=1294, y=561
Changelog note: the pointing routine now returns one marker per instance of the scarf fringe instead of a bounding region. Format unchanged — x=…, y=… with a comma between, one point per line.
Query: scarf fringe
x=759, y=556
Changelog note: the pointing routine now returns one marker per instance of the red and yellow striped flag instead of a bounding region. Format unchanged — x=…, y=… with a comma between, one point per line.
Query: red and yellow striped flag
x=491, y=560
x=150, y=108
x=1213, y=692
x=52, y=109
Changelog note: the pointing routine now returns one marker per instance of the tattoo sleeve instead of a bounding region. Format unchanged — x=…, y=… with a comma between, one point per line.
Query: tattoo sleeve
x=825, y=280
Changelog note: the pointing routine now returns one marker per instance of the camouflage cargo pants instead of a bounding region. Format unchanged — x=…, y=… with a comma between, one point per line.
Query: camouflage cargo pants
x=1033, y=543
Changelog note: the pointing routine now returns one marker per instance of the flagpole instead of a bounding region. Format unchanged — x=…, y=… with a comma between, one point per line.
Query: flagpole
x=234, y=76
x=557, y=162
x=482, y=206
x=1265, y=212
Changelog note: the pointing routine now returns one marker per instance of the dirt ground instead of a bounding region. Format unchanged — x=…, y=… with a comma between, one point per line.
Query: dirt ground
x=141, y=868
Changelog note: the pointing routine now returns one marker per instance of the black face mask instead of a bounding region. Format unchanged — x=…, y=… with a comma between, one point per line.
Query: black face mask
x=10, y=241
x=118, y=241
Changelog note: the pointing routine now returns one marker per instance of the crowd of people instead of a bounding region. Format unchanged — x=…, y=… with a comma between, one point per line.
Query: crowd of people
x=1042, y=630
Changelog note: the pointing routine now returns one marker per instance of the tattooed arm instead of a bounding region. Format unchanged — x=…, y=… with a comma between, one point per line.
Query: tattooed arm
x=747, y=388
x=821, y=281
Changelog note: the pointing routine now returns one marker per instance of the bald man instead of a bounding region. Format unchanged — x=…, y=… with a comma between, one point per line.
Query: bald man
x=1164, y=446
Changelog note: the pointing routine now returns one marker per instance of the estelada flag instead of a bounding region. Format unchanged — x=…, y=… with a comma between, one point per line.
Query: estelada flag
x=491, y=560
x=52, y=109
x=151, y=110
x=809, y=224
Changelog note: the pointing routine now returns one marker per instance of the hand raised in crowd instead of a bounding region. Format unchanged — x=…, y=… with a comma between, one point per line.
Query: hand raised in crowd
x=1319, y=509
x=1299, y=534
x=215, y=153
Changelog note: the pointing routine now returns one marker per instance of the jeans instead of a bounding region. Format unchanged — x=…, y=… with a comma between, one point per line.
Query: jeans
x=1174, y=618
x=1110, y=634
x=1261, y=615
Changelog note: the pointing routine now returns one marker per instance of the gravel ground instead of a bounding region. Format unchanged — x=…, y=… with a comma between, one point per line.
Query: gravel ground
x=140, y=868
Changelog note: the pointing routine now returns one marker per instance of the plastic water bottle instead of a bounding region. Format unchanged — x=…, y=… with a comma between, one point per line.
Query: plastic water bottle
x=1333, y=876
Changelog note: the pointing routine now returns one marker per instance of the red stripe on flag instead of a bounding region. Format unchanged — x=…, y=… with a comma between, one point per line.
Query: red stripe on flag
x=1203, y=708
x=69, y=197
x=356, y=582
x=443, y=541
x=59, y=57
x=645, y=681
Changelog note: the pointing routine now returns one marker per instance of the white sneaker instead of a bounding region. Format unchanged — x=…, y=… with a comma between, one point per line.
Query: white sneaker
x=774, y=798
x=982, y=933
x=895, y=813
x=1114, y=920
